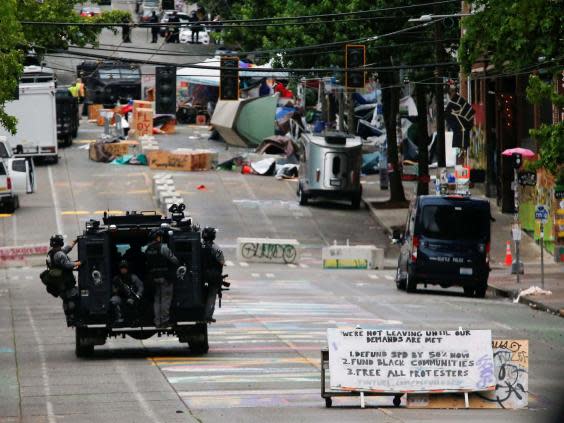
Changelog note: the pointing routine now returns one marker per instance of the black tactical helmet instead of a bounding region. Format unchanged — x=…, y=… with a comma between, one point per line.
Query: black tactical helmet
x=155, y=233
x=208, y=234
x=123, y=264
x=56, y=241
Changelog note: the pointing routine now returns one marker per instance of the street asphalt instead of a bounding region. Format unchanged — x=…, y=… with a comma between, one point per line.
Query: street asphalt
x=264, y=349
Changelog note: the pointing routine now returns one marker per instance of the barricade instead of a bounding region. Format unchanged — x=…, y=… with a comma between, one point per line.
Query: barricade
x=352, y=257
x=267, y=250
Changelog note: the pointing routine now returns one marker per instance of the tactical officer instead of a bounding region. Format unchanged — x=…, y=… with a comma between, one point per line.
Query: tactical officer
x=126, y=288
x=57, y=258
x=213, y=262
x=159, y=259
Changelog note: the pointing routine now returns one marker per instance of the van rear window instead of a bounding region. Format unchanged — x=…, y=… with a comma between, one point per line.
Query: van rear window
x=455, y=222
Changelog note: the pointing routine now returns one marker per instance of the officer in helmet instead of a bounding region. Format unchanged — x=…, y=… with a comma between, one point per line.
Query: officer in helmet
x=213, y=262
x=57, y=258
x=159, y=259
x=127, y=289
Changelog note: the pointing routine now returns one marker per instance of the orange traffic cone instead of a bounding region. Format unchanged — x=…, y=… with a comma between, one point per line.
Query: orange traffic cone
x=508, y=256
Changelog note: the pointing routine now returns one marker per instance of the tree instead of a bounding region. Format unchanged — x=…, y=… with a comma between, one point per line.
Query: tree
x=405, y=48
x=10, y=60
x=15, y=38
x=519, y=36
x=512, y=34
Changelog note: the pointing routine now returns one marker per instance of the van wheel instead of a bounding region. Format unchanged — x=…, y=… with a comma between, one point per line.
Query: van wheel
x=303, y=197
x=480, y=291
x=411, y=284
x=400, y=283
x=82, y=349
x=468, y=291
x=355, y=202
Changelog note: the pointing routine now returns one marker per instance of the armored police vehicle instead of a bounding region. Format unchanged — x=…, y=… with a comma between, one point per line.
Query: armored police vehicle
x=101, y=249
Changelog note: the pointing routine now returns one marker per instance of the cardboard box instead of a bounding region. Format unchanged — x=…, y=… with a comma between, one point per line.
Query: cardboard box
x=188, y=161
x=139, y=104
x=144, y=122
x=94, y=111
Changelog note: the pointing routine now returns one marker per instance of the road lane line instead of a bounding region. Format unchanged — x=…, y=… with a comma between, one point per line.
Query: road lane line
x=229, y=263
x=243, y=264
x=56, y=203
x=43, y=360
x=270, y=275
x=390, y=278
x=255, y=275
x=292, y=266
x=124, y=374
x=373, y=276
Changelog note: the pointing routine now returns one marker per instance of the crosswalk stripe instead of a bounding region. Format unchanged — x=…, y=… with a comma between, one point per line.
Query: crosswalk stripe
x=373, y=276
x=270, y=275
x=244, y=264
x=390, y=278
x=304, y=266
x=255, y=275
x=293, y=266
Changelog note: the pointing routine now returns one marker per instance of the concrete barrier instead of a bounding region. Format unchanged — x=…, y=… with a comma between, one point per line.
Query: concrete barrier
x=25, y=255
x=352, y=257
x=267, y=250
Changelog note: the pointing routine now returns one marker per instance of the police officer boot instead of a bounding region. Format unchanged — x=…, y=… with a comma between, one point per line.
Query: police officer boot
x=118, y=315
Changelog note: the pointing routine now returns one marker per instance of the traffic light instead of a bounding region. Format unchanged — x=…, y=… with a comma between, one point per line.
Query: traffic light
x=355, y=58
x=229, y=78
x=165, y=90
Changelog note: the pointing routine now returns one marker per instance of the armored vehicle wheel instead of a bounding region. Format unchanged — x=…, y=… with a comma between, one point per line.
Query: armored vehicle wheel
x=198, y=342
x=397, y=400
x=328, y=402
x=82, y=349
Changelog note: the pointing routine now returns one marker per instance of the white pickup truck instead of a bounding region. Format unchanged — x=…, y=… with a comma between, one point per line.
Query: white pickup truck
x=17, y=176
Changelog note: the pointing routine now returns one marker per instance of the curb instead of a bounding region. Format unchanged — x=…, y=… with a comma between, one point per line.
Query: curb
x=373, y=213
x=513, y=293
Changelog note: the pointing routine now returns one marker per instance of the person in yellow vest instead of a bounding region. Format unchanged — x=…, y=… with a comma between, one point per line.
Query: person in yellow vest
x=77, y=91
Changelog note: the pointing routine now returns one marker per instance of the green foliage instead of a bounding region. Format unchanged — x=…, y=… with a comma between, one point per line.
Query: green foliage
x=393, y=50
x=512, y=34
x=551, y=137
x=43, y=37
x=551, y=153
x=537, y=91
x=10, y=58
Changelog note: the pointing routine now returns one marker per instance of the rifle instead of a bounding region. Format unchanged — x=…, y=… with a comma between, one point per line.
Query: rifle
x=225, y=284
x=129, y=291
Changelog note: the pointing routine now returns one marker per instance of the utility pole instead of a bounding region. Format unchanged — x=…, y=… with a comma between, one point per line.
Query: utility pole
x=439, y=97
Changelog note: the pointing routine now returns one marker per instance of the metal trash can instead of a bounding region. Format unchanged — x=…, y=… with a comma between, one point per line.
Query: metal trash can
x=330, y=167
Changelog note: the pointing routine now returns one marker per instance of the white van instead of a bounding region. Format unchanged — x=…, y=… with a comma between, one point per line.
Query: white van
x=17, y=176
x=36, y=112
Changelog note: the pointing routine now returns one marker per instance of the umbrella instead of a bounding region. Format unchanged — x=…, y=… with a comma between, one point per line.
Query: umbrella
x=526, y=153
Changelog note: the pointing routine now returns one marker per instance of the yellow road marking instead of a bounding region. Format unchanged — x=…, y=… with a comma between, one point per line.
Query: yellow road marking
x=114, y=212
x=5, y=215
x=84, y=141
x=74, y=212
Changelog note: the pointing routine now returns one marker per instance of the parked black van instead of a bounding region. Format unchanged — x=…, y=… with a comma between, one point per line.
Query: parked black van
x=446, y=242
x=68, y=118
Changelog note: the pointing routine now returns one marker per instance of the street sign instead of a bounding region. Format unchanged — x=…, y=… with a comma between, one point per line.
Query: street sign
x=541, y=213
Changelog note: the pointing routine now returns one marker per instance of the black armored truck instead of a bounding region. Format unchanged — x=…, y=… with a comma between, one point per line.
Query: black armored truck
x=105, y=245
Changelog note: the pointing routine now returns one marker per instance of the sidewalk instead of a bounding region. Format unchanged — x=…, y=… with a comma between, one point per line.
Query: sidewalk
x=501, y=282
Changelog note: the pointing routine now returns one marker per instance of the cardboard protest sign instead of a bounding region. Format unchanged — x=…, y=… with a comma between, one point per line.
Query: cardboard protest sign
x=385, y=360
x=511, y=370
x=144, y=122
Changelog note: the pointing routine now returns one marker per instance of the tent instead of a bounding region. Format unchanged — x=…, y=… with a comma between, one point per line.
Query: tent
x=211, y=76
x=245, y=123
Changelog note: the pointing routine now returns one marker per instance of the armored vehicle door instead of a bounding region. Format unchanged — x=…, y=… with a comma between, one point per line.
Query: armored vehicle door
x=188, y=295
x=94, y=276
